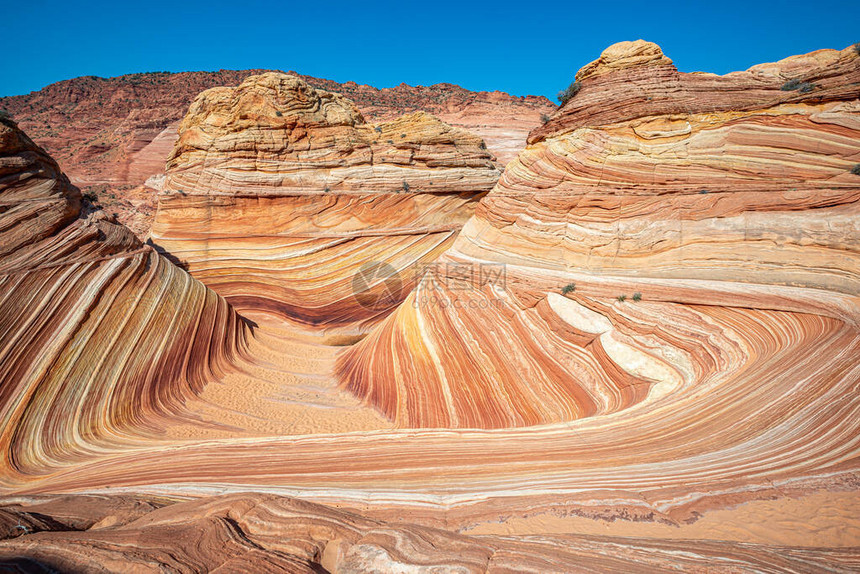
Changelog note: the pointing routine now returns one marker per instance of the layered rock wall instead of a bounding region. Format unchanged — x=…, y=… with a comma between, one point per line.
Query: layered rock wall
x=100, y=337
x=277, y=195
x=681, y=189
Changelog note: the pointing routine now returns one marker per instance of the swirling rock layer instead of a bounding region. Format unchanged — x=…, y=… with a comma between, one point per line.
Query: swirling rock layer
x=100, y=337
x=277, y=194
x=759, y=195
x=523, y=392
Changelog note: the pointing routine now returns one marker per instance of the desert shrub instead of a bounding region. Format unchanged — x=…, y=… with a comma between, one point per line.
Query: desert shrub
x=568, y=288
x=856, y=169
x=278, y=113
x=378, y=129
x=637, y=296
x=91, y=197
x=327, y=189
x=857, y=48
x=544, y=118
x=567, y=94
x=797, y=85
x=405, y=186
x=622, y=298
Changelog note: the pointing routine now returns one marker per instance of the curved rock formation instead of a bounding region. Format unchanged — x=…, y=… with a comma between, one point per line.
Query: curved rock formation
x=101, y=339
x=646, y=335
x=731, y=198
x=278, y=194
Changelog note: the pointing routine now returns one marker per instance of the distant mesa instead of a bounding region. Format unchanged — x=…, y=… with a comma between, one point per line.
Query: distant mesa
x=111, y=135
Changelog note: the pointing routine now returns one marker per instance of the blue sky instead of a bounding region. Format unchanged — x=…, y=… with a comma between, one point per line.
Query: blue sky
x=521, y=47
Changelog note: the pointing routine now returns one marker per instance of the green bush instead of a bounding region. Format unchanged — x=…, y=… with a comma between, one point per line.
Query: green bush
x=278, y=113
x=856, y=169
x=637, y=296
x=567, y=94
x=797, y=85
x=544, y=118
x=570, y=287
x=622, y=298
x=405, y=187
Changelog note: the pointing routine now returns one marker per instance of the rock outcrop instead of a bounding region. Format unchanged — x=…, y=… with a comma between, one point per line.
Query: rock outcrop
x=744, y=177
x=100, y=337
x=264, y=533
x=111, y=135
x=278, y=195
x=647, y=334
x=749, y=192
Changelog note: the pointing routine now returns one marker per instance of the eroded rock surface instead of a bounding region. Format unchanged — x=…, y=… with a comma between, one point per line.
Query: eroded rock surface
x=667, y=366
x=260, y=533
x=101, y=339
x=694, y=190
x=112, y=136
x=277, y=194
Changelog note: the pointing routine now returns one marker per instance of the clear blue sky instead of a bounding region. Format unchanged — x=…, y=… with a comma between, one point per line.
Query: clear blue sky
x=521, y=47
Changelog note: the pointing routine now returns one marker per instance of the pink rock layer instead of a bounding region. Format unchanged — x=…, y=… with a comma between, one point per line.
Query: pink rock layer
x=278, y=195
x=112, y=136
x=101, y=339
x=756, y=198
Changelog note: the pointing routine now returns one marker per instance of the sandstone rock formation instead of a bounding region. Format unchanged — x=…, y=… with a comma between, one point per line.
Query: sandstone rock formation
x=101, y=339
x=640, y=353
x=734, y=367
x=277, y=194
x=111, y=135
x=628, y=195
x=264, y=533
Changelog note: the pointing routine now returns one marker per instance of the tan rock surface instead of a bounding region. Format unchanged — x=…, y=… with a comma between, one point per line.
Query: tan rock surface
x=278, y=194
x=242, y=533
x=111, y=135
x=101, y=339
x=536, y=423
